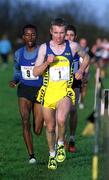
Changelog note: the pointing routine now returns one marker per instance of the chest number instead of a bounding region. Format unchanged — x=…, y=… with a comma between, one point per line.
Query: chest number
x=28, y=73
x=59, y=74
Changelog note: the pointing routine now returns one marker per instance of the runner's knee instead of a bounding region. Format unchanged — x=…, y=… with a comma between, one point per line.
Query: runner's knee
x=61, y=119
x=61, y=122
x=50, y=129
x=37, y=130
x=25, y=120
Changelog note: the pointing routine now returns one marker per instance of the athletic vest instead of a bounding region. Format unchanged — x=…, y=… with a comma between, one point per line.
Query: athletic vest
x=67, y=52
x=76, y=63
x=27, y=65
x=60, y=69
x=58, y=77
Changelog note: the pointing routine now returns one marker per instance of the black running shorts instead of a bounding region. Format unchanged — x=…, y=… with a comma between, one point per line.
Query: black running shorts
x=28, y=92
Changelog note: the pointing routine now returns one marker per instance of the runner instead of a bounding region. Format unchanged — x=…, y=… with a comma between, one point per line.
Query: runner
x=55, y=60
x=28, y=86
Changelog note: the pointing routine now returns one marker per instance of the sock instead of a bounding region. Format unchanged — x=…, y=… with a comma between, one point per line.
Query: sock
x=60, y=142
x=52, y=154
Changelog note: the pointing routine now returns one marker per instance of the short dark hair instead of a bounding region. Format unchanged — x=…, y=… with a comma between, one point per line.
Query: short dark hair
x=58, y=22
x=70, y=27
x=31, y=26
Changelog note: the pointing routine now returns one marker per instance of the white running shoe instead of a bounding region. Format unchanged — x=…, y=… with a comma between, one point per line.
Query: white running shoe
x=32, y=161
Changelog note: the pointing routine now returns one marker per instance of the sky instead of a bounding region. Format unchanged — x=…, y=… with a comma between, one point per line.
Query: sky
x=97, y=9
x=101, y=4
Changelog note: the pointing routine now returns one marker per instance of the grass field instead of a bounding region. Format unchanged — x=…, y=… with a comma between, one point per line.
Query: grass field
x=13, y=154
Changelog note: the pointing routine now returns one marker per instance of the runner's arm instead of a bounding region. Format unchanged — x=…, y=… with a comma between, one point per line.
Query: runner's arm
x=84, y=64
x=41, y=63
x=17, y=72
x=86, y=61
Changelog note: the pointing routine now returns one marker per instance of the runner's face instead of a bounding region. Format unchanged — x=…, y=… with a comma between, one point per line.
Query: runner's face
x=83, y=43
x=29, y=37
x=58, y=34
x=70, y=35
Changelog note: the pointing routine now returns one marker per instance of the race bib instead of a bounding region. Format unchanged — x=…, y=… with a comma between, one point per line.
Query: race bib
x=27, y=73
x=59, y=73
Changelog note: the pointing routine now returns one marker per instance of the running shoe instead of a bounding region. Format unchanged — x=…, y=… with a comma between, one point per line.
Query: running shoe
x=71, y=147
x=52, y=164
x=60, y=153
x=32, y=159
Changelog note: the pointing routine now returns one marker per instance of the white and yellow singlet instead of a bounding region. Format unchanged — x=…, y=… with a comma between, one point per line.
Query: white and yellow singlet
x=57, y=87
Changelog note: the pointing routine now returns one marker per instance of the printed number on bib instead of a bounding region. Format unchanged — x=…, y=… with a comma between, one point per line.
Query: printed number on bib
x=27, y=73
x=59, y=73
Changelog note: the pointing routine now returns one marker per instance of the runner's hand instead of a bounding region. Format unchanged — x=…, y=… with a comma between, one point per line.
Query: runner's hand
x=12, y=84
x=79, y=75
x=50, y=58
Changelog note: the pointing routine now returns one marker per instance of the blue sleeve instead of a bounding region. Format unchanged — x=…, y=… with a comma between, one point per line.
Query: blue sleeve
x=17, y=70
